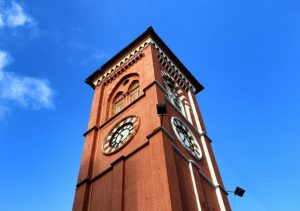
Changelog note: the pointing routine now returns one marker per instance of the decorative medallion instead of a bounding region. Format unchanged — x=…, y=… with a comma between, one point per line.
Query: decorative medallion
x=186, y=137
x=120, y=134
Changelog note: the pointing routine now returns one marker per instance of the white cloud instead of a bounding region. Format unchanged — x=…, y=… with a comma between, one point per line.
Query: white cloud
x=5, y=59
x=1, y=21
x=28, y=92
x=13, y=15
x=16, y=16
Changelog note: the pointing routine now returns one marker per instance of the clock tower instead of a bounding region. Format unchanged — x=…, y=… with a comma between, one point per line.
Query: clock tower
x=135, y=158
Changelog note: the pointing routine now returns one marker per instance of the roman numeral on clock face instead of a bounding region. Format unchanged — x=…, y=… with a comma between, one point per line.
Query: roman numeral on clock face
x=120, y=134
x=186, y=137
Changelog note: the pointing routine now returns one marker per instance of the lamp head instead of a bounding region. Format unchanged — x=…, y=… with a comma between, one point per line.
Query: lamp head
x=239, y=191
x=161, y=108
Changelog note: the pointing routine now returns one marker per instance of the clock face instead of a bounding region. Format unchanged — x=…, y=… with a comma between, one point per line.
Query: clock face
x=120, y=134
x=186, y=137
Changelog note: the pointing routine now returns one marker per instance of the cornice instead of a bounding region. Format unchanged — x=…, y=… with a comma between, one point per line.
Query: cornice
x=120, y=66
x=121, y=62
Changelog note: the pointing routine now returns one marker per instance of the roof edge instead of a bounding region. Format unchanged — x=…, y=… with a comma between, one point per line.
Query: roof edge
x=149, y=32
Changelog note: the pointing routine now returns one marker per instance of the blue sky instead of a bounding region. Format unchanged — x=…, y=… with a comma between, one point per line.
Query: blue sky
x=245, y=53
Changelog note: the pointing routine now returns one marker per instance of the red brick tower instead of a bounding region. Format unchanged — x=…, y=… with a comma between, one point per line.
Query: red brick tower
x=131, y=159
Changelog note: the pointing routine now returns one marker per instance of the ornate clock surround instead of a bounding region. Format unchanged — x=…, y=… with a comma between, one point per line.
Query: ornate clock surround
x=115, y=139
x=186, y=138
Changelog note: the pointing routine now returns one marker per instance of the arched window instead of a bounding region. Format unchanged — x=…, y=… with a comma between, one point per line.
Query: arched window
x=134, y=91
x=122, y=93
x=118, y=103
x=172, y=96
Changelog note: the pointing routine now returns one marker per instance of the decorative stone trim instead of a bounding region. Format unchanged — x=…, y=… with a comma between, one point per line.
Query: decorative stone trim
x=121, y=69
x=121, y=62
x=173, y=74
x=163, y=58
x=178, y=91
x=107, y=147
x=184, y=104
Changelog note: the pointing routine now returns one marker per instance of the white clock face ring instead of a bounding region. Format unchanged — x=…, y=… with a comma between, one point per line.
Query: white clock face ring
x=186, y=137
x=120, y=134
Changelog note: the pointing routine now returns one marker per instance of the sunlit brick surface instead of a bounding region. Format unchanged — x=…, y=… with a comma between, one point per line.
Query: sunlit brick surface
x=148, y=173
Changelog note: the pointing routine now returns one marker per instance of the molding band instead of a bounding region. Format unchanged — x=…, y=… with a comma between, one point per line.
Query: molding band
x=138, y=49
x=206, y=152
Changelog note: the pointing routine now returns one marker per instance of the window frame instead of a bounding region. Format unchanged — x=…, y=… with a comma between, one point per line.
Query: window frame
x=117, y=103
x=134, y=91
